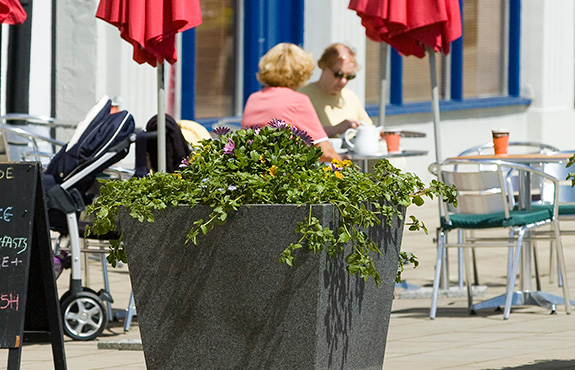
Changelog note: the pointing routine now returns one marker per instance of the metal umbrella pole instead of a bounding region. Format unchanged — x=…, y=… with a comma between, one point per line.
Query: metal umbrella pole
x=435, y=103
x=383, y=80
x=161, y=118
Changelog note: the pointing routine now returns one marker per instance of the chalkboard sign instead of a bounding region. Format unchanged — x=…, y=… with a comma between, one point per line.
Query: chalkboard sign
x=29, y=307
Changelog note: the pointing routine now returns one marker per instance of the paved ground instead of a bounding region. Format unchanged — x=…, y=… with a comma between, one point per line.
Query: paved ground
x=530, y=339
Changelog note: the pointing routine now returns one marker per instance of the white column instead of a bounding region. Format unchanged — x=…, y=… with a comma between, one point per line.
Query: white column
x=547, y=70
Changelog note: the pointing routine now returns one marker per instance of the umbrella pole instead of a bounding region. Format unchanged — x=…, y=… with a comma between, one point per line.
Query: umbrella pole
x=383, y=81
x=435, y=103
x=161, y=118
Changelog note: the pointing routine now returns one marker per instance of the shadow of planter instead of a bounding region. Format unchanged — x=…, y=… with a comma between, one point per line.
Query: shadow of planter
x=228, y=303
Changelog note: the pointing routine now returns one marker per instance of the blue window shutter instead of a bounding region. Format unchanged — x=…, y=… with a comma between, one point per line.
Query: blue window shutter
x=188, y=63
x=514, y=46
x=396, y=78
x=268, y=23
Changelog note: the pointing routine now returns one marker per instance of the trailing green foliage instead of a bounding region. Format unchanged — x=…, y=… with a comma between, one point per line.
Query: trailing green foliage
x=276, y=164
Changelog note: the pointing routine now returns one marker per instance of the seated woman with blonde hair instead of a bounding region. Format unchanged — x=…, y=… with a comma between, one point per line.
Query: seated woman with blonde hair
x=282, y=70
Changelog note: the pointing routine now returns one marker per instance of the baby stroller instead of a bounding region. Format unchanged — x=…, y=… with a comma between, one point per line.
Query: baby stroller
x=99, y=141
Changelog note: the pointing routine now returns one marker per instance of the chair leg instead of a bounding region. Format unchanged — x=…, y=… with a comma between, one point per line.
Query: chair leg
x=104, y=262
x=467, y=263
x=444, y=280
x=511, y=278
x=536, y=266
x=561, y=267
x=130, y=312
x=552, y=261
x=440, y=241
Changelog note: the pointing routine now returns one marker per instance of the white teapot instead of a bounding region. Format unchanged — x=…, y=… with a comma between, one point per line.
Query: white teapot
x=366, y=140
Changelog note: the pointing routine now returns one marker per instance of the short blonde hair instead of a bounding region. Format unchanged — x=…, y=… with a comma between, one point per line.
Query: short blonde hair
x=285, y=65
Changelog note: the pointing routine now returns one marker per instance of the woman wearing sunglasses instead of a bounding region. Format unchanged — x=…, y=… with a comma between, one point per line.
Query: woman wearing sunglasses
x=338, y=108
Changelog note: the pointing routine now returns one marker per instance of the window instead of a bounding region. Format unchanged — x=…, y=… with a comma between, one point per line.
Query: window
x=214, y=57
x=482, y=63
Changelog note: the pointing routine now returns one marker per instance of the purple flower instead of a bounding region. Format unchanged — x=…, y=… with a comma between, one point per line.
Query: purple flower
x=229, y=147
x=250, y=142
x=257, y=130
x=302, y=135
x=278, y=123
x=334, y=167
x=221, y=130
x=185, y=162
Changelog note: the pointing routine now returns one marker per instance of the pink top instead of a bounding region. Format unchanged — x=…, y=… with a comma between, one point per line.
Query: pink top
x=286, y=104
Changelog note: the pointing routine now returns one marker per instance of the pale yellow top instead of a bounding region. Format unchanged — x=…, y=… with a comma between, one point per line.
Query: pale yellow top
x=333, y=109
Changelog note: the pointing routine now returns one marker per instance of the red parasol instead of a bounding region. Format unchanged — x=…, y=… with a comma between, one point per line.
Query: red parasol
x=151, y=26
x=11, y=12
x=412, y=27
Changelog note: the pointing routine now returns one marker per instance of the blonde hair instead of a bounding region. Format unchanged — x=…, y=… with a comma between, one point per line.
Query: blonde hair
x=335, y=52
x=285, y=65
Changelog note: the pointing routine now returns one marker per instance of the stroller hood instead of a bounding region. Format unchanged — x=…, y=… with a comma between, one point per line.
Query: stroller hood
x=103, y=133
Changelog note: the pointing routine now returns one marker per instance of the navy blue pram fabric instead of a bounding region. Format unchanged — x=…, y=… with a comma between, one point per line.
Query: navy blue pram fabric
x=105, y=133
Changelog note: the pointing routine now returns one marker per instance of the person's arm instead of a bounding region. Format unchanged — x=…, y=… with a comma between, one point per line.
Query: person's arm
x=342, y=127
x=328, y=152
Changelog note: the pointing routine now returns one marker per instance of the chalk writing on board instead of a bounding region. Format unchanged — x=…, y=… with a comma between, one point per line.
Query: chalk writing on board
x=6, y=214
x=18, y=244
x=6, y=262
x=7, y=173
x=9, y=301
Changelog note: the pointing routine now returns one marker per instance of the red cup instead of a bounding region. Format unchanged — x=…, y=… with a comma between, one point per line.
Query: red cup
x=392, y=141
x=500, y=141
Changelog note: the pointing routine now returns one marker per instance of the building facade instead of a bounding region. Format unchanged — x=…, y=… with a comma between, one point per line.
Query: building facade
x=514, y=68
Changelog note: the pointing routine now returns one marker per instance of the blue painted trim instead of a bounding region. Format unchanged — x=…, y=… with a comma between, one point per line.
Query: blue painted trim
x=396, y=78
x=457, y=63
x=449, y=105
x=298, y=22
x=421, y=107
x=188, y=63
x=267, y=23
x=514, y=47
x=254, y=39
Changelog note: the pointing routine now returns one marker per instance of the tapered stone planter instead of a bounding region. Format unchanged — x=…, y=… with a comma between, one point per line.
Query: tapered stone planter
x=228, y=303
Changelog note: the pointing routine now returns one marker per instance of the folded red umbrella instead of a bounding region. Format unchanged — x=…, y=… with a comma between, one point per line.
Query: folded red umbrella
x=11, y=12
x=410, y=25
x=151, y=25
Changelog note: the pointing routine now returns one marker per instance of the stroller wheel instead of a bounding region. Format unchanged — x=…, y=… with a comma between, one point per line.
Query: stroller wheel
x=84, y=315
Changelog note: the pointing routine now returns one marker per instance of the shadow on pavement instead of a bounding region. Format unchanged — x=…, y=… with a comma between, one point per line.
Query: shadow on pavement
x=544, y=365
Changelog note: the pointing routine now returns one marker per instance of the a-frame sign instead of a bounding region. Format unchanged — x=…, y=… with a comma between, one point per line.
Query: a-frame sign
x=29, y=307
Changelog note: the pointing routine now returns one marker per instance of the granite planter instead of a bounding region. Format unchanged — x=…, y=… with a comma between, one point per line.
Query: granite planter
x=228, y=303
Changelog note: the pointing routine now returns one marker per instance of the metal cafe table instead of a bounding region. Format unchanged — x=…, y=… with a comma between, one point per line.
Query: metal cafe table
x=363, y=160
x=525, y=296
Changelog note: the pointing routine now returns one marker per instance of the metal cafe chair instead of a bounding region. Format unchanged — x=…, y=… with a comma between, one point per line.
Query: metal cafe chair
x=486, y=204
x=515, y=147
x=559, y=171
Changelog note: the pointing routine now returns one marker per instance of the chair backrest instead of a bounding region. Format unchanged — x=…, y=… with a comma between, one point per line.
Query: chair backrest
x=481, y=189
x=515, y=147
x=560, y=171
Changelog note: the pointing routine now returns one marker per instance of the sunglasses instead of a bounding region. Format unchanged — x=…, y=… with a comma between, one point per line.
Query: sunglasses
x=339, y=75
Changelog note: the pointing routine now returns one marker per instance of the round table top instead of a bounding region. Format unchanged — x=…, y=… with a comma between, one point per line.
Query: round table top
x=403, y=153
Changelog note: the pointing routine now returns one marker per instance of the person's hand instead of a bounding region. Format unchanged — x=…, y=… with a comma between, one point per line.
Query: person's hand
x=344, y=125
